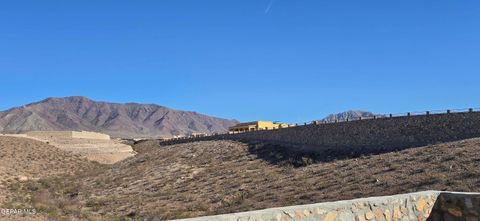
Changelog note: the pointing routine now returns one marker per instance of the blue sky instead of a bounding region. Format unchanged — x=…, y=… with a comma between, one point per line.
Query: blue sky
x=295, y=61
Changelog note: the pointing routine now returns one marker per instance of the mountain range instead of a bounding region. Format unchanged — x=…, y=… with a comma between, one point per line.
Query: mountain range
x=128, y=120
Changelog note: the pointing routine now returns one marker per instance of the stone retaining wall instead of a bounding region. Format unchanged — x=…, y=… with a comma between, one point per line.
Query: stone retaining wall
x=428, y=205
x=365, y=136
x=456, y=206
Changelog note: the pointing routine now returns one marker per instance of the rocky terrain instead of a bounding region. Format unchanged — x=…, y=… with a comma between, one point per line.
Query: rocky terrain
x=214, y=177
x=130, y=120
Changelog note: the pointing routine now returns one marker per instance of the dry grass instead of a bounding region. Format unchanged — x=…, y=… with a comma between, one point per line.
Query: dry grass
x=214, y=177
x=24, y=163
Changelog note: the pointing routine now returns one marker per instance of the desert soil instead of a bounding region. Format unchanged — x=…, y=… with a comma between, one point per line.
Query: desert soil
x=23, y=160
x=215, y=177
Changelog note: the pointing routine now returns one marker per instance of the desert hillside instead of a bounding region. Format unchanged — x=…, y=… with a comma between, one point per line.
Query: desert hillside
x=23, y=159
x=130, y=120
x=213, y=177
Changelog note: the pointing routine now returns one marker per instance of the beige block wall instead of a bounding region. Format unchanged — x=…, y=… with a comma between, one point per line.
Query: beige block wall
x=14, y=135
x=50, y=134
x=90, y=135
x=68, y=134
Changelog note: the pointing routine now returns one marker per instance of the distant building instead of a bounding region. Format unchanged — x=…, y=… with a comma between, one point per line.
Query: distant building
x=256, y=125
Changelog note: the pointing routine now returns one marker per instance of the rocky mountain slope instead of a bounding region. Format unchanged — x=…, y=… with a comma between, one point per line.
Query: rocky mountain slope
x=128, y=120
x=351, y=114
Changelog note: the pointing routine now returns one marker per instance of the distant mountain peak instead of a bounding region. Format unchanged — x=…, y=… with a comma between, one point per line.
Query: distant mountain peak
x=68, y=98
x=350, y=115
x=116, y=119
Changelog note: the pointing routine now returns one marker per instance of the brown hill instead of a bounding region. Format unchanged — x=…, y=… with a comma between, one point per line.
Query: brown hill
x=24, y=159
x=128, y=120
x=214, y=177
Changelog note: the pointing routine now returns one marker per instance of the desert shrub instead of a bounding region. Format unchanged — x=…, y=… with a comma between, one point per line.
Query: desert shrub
x=96, y=203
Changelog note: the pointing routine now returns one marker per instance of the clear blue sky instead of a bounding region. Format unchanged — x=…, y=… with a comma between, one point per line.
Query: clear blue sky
x=286, y=60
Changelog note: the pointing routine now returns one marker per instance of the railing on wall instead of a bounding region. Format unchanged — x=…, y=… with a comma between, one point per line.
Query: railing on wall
x=405, y=114
x=395, y=115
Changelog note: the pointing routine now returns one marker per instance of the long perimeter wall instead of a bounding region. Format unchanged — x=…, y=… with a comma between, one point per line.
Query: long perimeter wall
x=363, y=136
